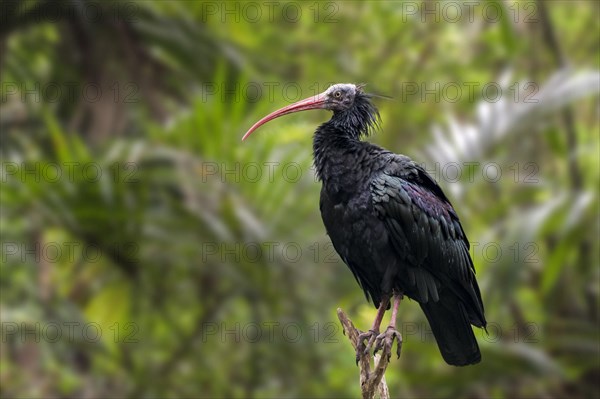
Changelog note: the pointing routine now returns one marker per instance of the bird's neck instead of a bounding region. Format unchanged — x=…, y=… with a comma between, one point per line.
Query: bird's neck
x=341, y=161
x=339, y=154
x=330, y=146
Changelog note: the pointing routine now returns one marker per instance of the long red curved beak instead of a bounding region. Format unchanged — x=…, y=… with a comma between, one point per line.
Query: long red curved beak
x=315, y=102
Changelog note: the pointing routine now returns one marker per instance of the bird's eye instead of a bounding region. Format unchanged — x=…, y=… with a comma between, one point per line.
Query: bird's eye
x=337, y=94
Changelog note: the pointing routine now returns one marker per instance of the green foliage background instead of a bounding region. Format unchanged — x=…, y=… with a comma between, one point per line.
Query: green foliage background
x=194, y=265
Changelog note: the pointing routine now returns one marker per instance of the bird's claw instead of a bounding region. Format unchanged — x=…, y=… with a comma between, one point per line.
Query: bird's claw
x=387, y=338
x=362, y=349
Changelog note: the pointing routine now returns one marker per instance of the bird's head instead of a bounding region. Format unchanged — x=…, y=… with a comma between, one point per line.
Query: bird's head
x=341, y=96
x=350, y=104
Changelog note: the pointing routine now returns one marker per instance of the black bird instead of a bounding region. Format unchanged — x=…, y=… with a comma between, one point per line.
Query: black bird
x=392, y=225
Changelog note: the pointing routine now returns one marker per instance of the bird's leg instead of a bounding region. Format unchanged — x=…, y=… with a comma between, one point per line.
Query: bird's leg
x=371, y=335
x=387, y=338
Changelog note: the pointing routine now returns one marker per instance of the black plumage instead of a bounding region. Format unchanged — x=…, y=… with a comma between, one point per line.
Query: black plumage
x=392, y=224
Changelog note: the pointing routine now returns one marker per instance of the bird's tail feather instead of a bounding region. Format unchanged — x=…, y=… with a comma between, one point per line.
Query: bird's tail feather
x=452, y=330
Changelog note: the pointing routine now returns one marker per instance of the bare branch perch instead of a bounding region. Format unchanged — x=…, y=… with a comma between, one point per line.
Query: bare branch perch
x=370, y=382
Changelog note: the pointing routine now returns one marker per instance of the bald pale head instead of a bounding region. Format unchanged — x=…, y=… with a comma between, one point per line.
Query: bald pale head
x=340, y=96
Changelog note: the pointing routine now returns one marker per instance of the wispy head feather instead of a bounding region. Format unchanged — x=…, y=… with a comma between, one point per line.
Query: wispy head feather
x=367, y=115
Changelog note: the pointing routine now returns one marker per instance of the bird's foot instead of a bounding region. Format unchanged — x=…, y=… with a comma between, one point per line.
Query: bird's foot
x=362, y=349
x=386, y=339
